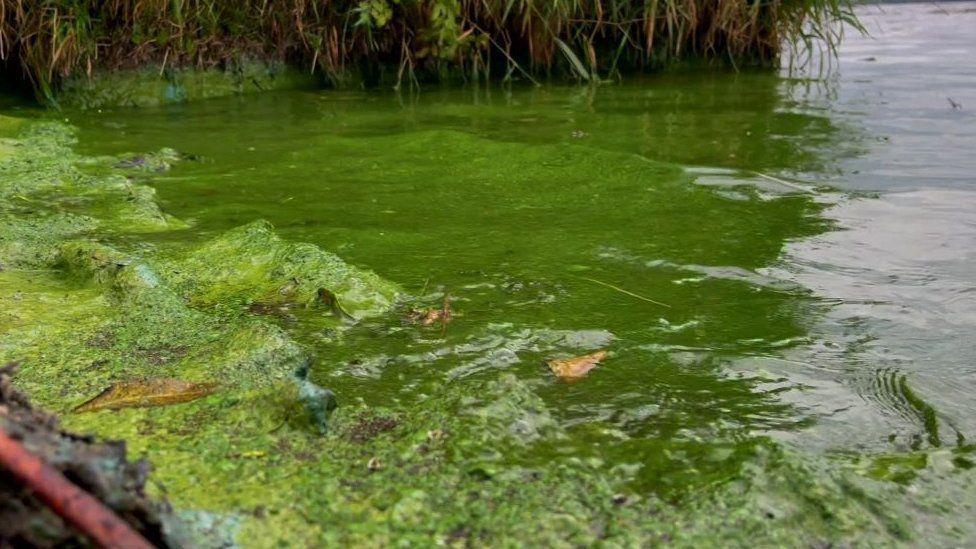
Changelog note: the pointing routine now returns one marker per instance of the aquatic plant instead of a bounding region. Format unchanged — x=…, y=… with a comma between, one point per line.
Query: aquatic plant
x=397, y=40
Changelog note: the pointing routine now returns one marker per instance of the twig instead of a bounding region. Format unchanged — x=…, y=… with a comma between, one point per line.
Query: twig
x=623, y=291
x=162, y=68
x=445, y=313
x=800, y=188
x=505, y=53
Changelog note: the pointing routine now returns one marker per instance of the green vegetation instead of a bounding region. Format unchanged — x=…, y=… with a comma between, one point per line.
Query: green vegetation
x=147, y=300
x=89, y=299
x=87, y=304
x=49, y=41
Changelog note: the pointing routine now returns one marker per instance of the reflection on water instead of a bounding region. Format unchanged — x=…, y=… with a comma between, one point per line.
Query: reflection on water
x=898, y=270
x=795, y=303
x=911, y=87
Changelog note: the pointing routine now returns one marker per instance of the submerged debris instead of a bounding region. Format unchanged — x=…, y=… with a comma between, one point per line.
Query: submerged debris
x=330, y=300
x=368, y=426
x=318, y=401
x=159, y=161
x=253, y=264
x=279, y=310
x=374, y=464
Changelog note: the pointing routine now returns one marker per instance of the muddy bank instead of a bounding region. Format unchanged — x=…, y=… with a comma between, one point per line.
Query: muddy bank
x=155, y=85
x=401, y=43
x=100, y=468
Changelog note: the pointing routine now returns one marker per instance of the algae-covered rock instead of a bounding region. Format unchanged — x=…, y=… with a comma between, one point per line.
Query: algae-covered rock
x=146, y=328
x=252, y=264
x=154, y=162
x=33, y=241
x=104, y=318
x=45, y=197
x=95, y=315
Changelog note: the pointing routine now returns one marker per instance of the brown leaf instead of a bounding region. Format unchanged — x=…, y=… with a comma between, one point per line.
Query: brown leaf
x=577, y=366
x=147, y=393
x=427, y=317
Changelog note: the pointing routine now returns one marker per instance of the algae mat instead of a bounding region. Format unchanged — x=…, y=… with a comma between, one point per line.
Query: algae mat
x=128, y=265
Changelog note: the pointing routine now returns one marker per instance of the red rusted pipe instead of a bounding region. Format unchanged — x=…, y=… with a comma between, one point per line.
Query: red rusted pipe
x=74, y=505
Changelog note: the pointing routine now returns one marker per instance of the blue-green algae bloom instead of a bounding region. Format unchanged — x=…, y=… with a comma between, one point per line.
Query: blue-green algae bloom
x=100, y=285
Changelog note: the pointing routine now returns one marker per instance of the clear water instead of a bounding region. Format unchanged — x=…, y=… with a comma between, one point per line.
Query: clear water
x=811, y=240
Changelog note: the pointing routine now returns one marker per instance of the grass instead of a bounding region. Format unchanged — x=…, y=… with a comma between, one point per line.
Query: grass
x=408, y=40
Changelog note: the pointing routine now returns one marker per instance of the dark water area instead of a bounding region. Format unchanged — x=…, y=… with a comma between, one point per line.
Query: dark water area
x=808, y=238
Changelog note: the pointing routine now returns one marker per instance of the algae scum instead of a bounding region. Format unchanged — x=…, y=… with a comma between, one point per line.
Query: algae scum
x=261, y=259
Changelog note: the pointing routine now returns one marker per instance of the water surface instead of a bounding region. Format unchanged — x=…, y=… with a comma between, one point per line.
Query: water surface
x=808, y=240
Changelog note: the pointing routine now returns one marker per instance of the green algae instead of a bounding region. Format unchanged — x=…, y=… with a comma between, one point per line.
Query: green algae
x=87, y=314
x=152, y=85
x=46, y=197
x=252, y=264
x=153, y=162
x=465, y=462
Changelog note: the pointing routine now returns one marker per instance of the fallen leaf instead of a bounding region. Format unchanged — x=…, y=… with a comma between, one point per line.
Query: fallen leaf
x=427, y=317
x=576, y=366
x=147, y=393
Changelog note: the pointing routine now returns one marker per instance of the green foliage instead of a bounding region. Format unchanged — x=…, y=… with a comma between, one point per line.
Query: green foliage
x=53, y=39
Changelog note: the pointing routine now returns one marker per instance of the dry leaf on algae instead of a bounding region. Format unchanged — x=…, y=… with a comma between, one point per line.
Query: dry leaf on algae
x=576, y=366
x=147, y=393
x=427, y=317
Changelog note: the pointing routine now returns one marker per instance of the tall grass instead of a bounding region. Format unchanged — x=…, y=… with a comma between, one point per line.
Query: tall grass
x=52, y=39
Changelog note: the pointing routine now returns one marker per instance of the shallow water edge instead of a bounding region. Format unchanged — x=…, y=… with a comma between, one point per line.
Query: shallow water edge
x=89, y=301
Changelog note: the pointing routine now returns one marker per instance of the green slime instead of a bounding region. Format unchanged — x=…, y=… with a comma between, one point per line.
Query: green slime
x=450, y=433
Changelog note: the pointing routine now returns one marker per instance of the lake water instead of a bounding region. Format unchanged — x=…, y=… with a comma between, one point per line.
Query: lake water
x=782, y=255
